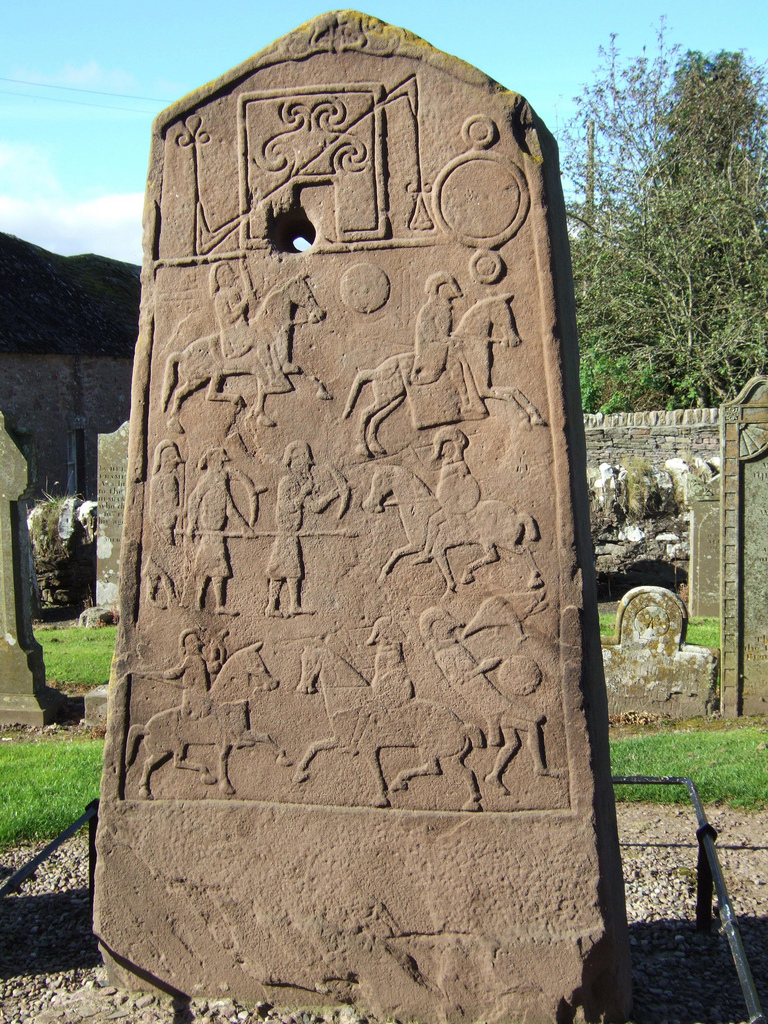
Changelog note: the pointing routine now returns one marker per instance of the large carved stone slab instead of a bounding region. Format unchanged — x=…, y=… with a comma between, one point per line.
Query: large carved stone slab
x=744, y=549
x=357, y=744
x=648, y=664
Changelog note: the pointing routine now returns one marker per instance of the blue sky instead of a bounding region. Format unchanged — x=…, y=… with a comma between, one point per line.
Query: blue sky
x=73, y=160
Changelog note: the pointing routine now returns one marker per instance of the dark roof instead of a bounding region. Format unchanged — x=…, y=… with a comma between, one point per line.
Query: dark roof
x=66, y=305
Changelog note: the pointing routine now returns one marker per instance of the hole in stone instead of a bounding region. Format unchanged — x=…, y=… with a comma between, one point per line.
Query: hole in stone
x=292, y=231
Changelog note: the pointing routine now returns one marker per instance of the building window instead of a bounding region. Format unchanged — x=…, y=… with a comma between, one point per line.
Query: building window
x=76, y=461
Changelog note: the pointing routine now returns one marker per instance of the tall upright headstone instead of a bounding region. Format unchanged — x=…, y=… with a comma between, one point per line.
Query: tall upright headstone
x=357, y=742
x=112, y=469
x=24, y=697
x=744, y=546
x=704, y=566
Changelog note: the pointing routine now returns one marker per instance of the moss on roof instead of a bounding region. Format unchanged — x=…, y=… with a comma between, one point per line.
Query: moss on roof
x=66, y=305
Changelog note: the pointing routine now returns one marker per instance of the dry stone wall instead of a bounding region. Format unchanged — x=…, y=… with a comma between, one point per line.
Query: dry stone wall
x=620, y=438
x=643, y=469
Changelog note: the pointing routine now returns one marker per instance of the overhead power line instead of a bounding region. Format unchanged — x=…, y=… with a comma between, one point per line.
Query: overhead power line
x=72, y=103
x=92, y=92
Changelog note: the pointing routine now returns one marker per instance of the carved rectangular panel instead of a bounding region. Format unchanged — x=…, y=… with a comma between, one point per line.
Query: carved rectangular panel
x=358, y=696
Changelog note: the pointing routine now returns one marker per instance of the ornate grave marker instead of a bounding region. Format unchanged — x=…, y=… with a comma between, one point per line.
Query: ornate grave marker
x=24, y=697
x=357, y=745
x=648, y=665
x=744, y=547
x=704, y=571
x=113, y=462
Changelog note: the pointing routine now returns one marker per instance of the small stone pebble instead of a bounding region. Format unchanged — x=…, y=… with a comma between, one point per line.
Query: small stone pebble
x=51, y=971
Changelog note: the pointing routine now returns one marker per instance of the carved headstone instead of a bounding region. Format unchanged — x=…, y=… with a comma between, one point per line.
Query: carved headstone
x=744, y=547
x=704, y=566
x=113, y=463
x=648, y=665
x=357, y=741
x=24, y=697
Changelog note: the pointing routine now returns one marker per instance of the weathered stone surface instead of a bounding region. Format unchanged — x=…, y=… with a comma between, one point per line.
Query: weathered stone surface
x=744, y=552
x=96, y=701
x=357, y=740
x=704, y=569
x=113, y=463
x=648, y=665
x=24, y=697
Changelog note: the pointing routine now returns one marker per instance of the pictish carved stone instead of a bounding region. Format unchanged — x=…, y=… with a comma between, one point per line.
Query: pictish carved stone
x=357, y=741
x=744, y=552
x=648, y=665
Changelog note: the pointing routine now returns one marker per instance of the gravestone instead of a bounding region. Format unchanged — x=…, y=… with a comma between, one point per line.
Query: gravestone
x=113, y=463
x=648, y=665
x=744, y=548
x=357, y=735
x=24, y=697
x=704, y=566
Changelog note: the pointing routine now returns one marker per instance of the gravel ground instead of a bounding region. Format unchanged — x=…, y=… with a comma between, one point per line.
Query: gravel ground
x=50, y=969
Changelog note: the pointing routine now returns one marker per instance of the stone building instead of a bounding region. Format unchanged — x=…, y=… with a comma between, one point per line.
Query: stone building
x=68, y=327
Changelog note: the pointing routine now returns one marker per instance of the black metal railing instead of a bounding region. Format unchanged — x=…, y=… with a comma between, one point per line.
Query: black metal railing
x=709, y=874
x=90, y=818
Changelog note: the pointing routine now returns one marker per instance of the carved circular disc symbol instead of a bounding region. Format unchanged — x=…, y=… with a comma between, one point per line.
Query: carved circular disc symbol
x=364, y=288
x=482, y=197
x=487, y=267
x=652, y=621
x=480, y=131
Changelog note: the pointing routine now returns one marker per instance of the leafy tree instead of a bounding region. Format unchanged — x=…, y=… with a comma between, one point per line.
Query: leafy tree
x=667, y=162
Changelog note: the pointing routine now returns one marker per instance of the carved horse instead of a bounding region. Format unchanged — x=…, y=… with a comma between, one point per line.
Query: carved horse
x=489, y=322
x=490, y=525
x=219, y=723
x=268, y=359
x=362, y=725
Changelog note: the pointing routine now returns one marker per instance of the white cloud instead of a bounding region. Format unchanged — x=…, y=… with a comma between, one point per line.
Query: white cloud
x=25, y=168
x=109, y=225
x=34, y=206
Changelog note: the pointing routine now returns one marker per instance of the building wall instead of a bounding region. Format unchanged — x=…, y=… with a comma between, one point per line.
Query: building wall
x=620, y=438
x=46, y=397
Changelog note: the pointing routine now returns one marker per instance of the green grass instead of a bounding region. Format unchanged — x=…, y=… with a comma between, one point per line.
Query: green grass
x=81, y=658
x=77, y=658
x=45, y=785
x=703, y=632
x=728, y=765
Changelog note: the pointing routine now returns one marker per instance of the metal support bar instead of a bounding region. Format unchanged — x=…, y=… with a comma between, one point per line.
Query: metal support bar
x=93, y=823
x=31, y=866
x=706, y=835
x=704, y=886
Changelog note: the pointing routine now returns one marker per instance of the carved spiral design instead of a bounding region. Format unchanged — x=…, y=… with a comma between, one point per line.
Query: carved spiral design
x=352, y=155
x=277, y=152
x=330, y=115
x=295, y=114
